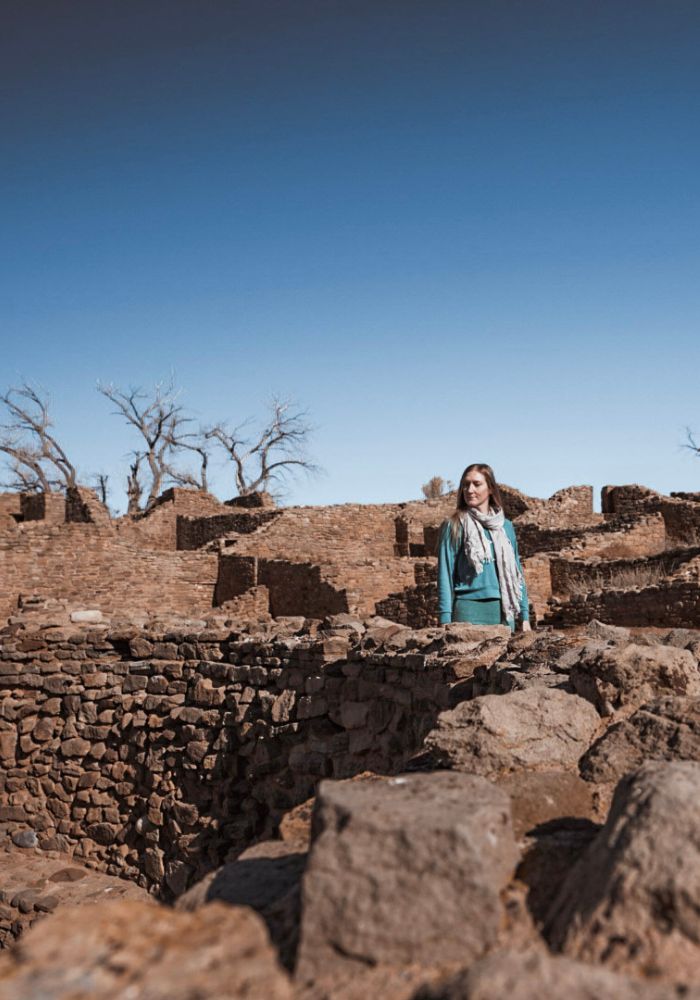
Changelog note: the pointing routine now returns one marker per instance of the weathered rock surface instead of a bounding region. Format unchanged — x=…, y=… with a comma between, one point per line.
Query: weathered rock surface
x=535, y=975
x=531, y=660
x=601, y=630
x=631, y=902
x=406, y=870
x=33, y=884
x=664, y=729
x=265, y=877
x=629, y=675
x=535, y=728
x=538, y=797
x=119, y=951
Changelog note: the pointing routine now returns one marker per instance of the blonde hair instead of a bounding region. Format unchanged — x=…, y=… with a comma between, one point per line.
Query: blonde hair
x=496, y=500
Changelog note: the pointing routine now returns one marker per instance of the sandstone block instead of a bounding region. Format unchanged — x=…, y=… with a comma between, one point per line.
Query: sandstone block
x=403, y=870
x=8, y=744
x=631, y=674
x=140, y=648
x=283, y=706
x=538, y=728
x=87, y=617
x=75, y=747
x=631, y=900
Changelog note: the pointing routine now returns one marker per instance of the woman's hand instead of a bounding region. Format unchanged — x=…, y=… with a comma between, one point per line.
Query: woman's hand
x=525, y=627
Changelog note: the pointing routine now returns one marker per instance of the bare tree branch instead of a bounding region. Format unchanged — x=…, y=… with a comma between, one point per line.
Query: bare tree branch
x=134, y=486
x=690, y=442
x=101, y=486
x=278, y=451
x=158, y=417
x=198, y=443
x=26, y=438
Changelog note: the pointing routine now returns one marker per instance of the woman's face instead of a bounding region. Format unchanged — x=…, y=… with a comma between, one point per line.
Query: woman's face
x=476, y=491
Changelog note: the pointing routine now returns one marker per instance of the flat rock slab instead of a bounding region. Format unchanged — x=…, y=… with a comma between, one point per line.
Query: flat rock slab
x=535, y=975
x=404, y=870
x=631, y=902
x=664, y=729
x=33, y=884
x=132, y=949
x=538, y=728
x=629, y=675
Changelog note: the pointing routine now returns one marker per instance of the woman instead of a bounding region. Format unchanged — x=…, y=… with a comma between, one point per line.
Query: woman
x=480, y=579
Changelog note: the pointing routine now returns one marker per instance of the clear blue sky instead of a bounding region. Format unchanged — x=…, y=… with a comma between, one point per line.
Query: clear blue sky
x=454, y=231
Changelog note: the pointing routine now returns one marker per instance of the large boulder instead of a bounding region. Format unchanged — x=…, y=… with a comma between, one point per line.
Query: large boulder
x=538, y=728
x=535, y=975
x=133, y=949
x=404, y=870
x=631, y=901
x=664, y=729
x=629, y=675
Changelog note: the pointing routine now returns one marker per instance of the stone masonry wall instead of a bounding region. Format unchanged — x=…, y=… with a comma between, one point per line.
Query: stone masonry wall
x=619, y=536
x=681, y=516
x=157, y=528
x=572, y=576
x=89, y=566
x=672, y=604
x=350, y=532
x=196, y=532
x=151, y=754
x=10, y=505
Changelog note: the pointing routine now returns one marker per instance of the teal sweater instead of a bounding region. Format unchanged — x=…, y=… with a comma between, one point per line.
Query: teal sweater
x=455, y=578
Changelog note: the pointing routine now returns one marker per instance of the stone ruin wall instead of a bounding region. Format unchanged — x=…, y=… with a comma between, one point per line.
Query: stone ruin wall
x=84, y=566
x=673, y=604
x=157, y=529
x=153, y=755
x=192, y=553
x=681, y=513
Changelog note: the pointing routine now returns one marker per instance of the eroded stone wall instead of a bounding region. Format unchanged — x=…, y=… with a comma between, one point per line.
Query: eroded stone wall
x=681, y=515
x=88, y=566
x=154, y=754
x=671, y=604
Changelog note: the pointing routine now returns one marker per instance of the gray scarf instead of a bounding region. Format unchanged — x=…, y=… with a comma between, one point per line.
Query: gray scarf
x=478, y=551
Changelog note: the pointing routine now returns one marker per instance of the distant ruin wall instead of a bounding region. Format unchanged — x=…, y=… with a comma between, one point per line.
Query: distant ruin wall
x=571, y=576
x=346, y=532
x=157, y=527
x=681, y=516
x=675, y=604
x=630, y=535
x=10, y=505
x=195, y=532
x=153, y=755
x=90, y=567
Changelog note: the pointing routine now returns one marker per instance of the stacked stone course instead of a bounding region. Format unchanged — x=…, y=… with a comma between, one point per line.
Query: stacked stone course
x=153, y=754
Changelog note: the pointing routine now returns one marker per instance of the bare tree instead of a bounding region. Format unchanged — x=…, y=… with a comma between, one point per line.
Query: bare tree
x=101, y=486
x=134, y=486
x=38, y=462
x=197, y=442
x=276, y=452
x=160, y=419
x=690, y=442
x=436, y=487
